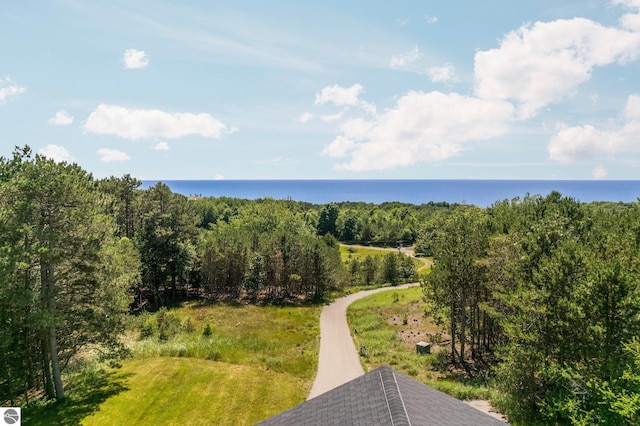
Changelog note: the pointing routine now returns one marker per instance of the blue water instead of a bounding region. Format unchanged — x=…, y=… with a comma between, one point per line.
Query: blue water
x=482, y=193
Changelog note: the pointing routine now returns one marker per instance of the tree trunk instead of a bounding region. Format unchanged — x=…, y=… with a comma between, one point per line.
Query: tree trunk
x=46, y=371
x=55, y=364
x=463, y=325
x=48, y=282
x=453, y=333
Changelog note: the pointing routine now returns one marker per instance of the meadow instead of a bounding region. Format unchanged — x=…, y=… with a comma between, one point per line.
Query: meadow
x=386, y=327
x=253, y=363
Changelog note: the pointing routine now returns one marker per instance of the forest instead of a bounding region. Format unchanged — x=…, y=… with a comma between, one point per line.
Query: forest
x=539, y=295
x=79, y=254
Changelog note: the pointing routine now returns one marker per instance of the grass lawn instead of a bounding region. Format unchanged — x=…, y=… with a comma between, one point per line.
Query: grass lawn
x=387, y=325
x=257, y=362
x=348, y=252
x=165, y=391
x=284, y=339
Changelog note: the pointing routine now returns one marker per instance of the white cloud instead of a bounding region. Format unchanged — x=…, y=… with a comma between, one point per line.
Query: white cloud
x=340, y=96
x=137, y=124
x=161, y=146
x=9, y=88
x=541, y=63
x=442, y=74
x=586, y=142
x=423, y=127
x=218, y=177
x=57, y=153
x=405, y=59
x=630, y=21
x=305, y=117
x=135, y=59
x=600, y=173
x=431, y=19
x=62, y=118
x=333, y=117
x=343, y=96
x=110, y=155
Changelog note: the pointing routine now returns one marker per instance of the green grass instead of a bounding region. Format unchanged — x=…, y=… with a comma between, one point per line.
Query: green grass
x=377, y=323
x=172, y=391
x=348, y=252
x=194, y=391
x=282, y=339
x=257, y=362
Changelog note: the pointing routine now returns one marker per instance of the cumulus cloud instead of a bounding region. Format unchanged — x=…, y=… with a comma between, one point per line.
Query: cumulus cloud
x=305, y=117
x=9, y=89
x=532, y=67
x=135, y=59
x=421, y=127
x=443, y=74
x=404, y=59
x=62, y=118
x=137, y=124
x=57, y=153
x=110, y=155
x=543, y=62
x=344, y=96
x=161, y=146
x=600, y=173
x=340, y=96
x=586, y=142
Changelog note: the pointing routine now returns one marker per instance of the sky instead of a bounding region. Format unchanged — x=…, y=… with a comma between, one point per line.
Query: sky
x=165, y=90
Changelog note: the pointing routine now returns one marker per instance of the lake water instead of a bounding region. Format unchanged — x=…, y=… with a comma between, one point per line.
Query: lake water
x=482, y=193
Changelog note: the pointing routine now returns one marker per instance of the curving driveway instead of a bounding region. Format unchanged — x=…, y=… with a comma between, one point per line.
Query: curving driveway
x=339, y=361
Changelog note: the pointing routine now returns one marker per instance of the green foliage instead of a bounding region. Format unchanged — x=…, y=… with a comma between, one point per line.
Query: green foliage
x=268, y=253
x=65, y=273
x=207, y=331
x=327, y=220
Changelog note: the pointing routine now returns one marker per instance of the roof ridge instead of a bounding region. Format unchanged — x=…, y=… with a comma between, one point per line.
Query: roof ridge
x=393, y=398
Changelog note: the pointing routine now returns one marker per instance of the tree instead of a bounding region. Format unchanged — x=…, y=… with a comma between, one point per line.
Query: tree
x=327, y=220
x=125, y=194
x=60, y=260
x=453, y=288
x=167, y=239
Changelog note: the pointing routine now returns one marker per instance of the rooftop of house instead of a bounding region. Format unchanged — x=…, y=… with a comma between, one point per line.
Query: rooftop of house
x=383, y=397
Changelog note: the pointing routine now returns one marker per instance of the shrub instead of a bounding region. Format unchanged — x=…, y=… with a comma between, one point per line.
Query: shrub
x=187, y=325
x=207, y=331
x=148, y=329
x=364, y=351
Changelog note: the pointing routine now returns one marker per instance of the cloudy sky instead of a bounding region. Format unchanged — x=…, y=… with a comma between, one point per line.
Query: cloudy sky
x=495, y=89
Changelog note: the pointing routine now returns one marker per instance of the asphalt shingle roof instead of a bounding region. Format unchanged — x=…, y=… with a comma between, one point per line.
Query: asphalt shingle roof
x=383, y=397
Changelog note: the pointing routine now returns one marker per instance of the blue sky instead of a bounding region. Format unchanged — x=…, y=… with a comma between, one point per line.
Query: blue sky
x=497, y=89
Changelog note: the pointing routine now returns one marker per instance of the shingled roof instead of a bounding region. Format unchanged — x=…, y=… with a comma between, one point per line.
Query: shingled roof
x=383, y=397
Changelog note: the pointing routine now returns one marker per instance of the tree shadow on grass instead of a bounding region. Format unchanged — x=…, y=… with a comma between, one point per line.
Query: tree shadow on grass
x=87, y=391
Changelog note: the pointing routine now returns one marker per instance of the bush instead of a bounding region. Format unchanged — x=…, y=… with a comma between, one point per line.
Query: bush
x=207, y=331
x=364, y=351
x=187, y=325
x=168, y=324
x=148, y=329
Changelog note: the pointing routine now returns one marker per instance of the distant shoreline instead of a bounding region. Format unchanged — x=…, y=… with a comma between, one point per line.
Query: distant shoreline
x=482, y=193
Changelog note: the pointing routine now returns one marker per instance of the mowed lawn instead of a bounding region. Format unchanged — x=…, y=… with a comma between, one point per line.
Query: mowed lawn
x=190, y=391
x=257, y=362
